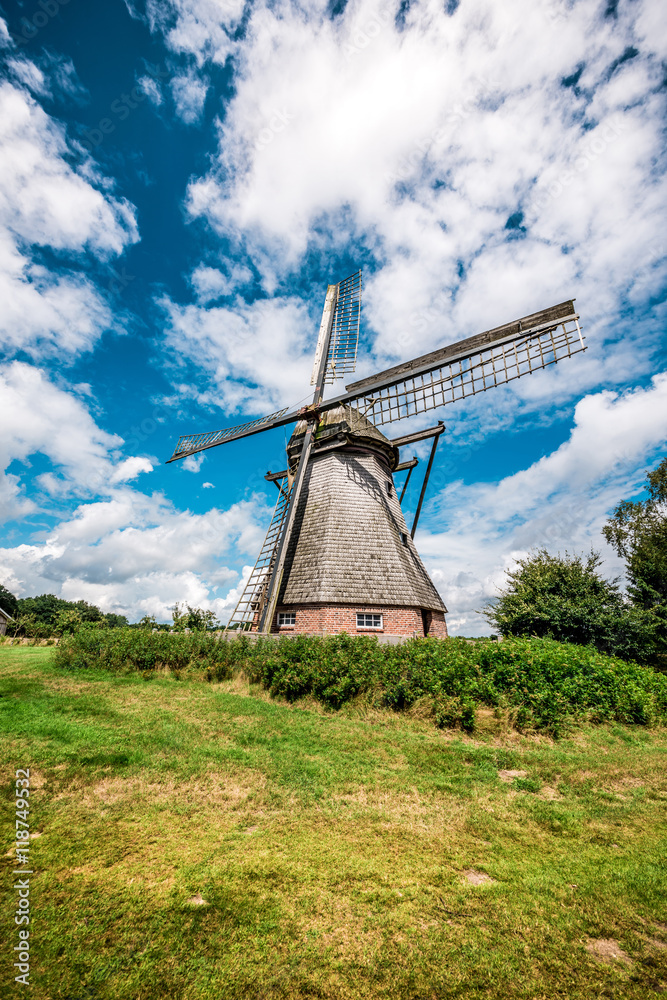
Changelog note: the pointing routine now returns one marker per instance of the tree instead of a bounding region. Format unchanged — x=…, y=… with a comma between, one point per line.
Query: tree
x=70, y=621
x=566, y=598
x=8, y=602
x=193, y=619
x=637, y=530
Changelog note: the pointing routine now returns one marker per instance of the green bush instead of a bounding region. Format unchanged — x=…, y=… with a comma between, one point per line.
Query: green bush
x=128, y=649
x=544, y=685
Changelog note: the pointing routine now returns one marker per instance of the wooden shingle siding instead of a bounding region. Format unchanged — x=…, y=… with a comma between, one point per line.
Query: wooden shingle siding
x=351, y=544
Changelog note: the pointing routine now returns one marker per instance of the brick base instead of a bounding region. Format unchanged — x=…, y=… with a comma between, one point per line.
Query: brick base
x=334, y=618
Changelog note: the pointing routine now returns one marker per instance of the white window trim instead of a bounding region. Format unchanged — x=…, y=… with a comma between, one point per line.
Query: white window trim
x=284, y=614
x=370, y=628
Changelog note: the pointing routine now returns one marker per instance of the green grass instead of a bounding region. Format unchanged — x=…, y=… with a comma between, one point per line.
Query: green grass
x=331, y=848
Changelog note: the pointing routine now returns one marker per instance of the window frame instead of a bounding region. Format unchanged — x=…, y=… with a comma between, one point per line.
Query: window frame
x=370, y=628
x=286, y=614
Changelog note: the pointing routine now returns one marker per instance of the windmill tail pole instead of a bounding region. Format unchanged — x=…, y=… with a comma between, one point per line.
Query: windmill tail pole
x=268, y=614
x=436, y=438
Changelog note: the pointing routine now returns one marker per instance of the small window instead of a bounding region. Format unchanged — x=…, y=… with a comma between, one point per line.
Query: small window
x=369, y=621
x=388, y=489
x=286, y=619
x=404, y=538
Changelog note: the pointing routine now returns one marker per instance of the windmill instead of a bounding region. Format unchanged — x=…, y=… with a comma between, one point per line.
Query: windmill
x=338, y=555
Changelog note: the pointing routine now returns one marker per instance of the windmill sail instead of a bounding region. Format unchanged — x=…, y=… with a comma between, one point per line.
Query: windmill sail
x=251, y=602
x=471, y=366
x=433, y=380
x=344, y=339
x=190, y=444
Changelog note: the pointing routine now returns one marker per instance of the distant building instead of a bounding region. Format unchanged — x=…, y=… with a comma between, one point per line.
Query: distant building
x=4, y=619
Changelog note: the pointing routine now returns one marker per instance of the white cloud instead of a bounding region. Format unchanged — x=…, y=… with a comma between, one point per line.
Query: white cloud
x=189, y=92
x=38, y=417
x=560, y=502
x=193, y=462
x=151, y=89
x=209, y=283
x=200, y=28
x=423, y=143
x=124, y=550
x=255, y=357
x=44, y=202
x=137, y=555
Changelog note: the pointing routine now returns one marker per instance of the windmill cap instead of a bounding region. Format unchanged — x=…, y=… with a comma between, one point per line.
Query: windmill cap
x=346, y=425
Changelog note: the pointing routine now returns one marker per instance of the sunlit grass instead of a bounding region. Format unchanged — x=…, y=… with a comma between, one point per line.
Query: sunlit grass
x=333, y=852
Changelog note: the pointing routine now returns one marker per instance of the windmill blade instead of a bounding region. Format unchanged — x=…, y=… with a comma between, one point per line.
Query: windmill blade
x=469, y=366
x=190, y=444
x=344, y=339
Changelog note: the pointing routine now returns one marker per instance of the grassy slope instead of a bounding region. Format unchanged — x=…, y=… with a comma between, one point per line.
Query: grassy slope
x=331, y=850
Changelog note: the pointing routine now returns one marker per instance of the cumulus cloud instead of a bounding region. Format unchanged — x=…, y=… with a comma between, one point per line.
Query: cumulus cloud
x=122, y=549
x=136, y=555
x=254, y=356
x=200, y=28
x=209, y=283
x=38, y=417
x=189, y=92
x=473, y=533
x=494, y=161
x=46, y=203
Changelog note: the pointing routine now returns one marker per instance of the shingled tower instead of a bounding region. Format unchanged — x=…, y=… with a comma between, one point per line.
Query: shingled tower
x=351, y=565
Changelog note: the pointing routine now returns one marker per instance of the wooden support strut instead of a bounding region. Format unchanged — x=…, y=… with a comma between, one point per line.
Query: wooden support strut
x=409, y=466
x=436, y=437
x=310, y=413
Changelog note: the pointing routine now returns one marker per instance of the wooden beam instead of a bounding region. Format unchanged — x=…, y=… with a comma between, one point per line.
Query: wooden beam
x=407, y=465
x=425, y=484
x=272, y=477
x=419, y=435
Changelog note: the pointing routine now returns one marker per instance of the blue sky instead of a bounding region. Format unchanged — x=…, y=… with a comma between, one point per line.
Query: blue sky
x=180, y=180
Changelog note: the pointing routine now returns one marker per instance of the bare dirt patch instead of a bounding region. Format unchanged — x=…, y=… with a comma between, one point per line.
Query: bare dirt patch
x=197, y=900
x=478, y=878
x=608, y=951
x=509, y=776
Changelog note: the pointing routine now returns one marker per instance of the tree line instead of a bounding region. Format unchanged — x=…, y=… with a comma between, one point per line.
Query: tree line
x=47, y=615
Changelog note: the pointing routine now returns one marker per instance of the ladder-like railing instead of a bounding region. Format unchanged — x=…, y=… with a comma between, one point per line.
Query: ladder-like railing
x=249, y=608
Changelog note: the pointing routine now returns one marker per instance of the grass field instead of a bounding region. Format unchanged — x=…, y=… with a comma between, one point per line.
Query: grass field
x=204, y=841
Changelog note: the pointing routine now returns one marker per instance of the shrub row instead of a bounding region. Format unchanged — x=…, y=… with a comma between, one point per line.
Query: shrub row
x=545, y=684
x=123, y=649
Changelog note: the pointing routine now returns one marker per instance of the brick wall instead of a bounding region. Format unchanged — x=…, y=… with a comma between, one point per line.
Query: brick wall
x=333, y=618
